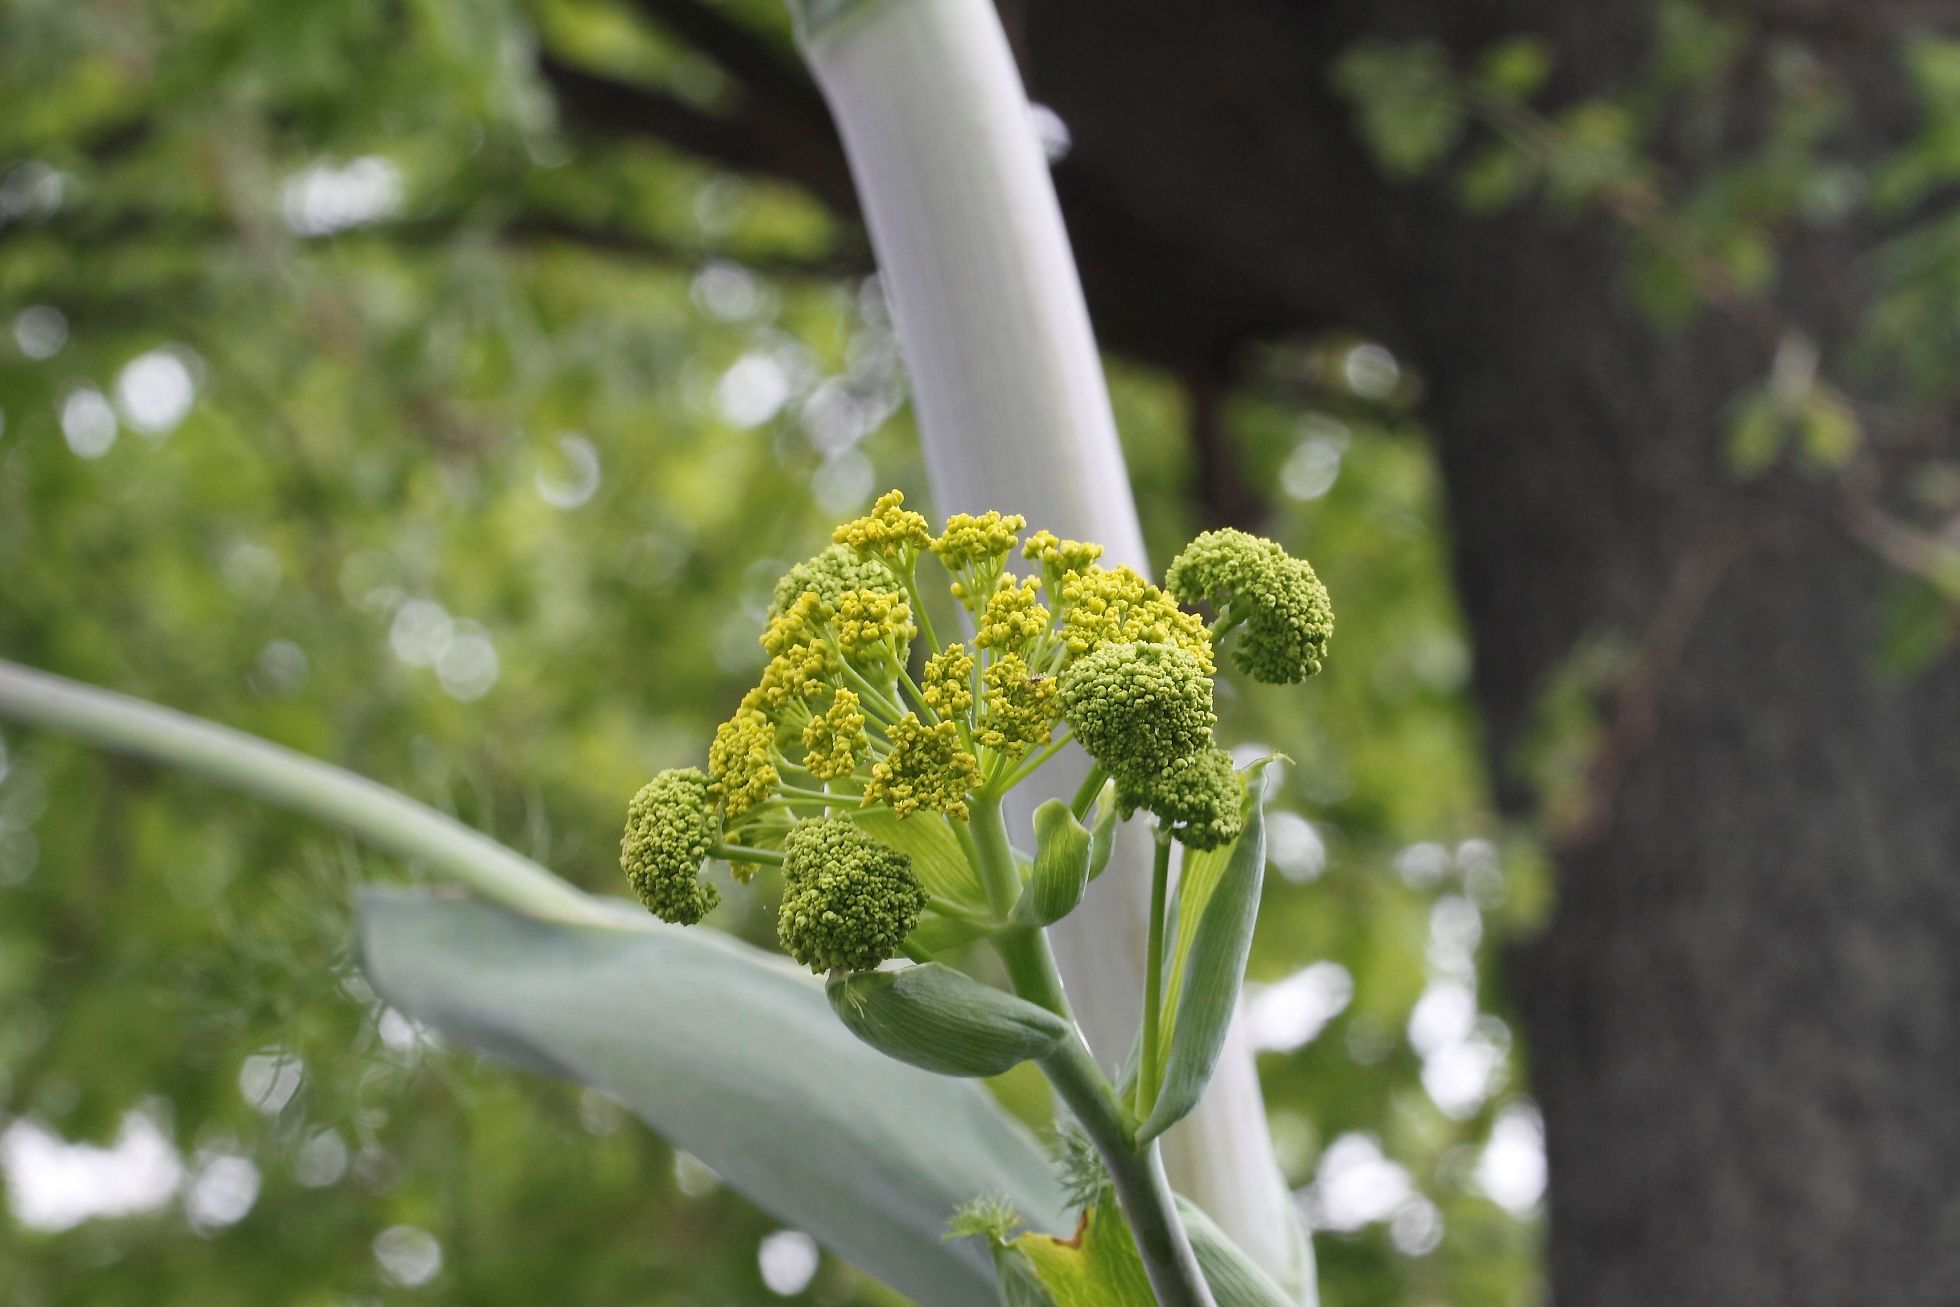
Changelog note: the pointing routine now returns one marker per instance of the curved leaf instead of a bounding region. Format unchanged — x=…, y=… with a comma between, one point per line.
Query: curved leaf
x=1216, y=906
x=1061, y=866
x=734, y=1056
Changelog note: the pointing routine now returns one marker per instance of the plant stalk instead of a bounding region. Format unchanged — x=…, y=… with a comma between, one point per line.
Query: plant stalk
x=1151, y=1056
x=289, y=780
x=1136, y=1172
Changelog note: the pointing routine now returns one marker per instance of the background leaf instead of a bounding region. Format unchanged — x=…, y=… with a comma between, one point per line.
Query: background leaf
x=736, y=1058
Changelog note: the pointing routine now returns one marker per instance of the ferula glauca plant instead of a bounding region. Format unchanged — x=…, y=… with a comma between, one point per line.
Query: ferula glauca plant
x=869, y=763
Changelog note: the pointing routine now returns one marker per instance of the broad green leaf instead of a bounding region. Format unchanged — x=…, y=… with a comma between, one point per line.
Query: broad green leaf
x=941, y=1020
x=1061, y=866
x=736, y=1057
x=1212, y=917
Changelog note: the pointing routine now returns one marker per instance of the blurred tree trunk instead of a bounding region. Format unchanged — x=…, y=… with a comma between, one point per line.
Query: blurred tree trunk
x=1744, y=1018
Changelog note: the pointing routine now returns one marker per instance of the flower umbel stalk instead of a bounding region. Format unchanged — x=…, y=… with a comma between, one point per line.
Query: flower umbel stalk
x=1136, y=1171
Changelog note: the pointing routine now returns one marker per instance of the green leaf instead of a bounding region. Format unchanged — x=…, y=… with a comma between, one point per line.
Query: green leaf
x=1061, y=866
x=1099, y=1266
x=1407, y=106
x=941, y=1020
x=735, y=1057
x=1102, y=835
x=1217, y=903
x=1235, y=1279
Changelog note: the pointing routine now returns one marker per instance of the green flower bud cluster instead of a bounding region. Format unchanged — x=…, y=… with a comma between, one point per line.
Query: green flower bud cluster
x=1274, y=599
x=839, y=568
x=1198, y=798
x=670, y=828
x=848, y=900
x=1138, y=708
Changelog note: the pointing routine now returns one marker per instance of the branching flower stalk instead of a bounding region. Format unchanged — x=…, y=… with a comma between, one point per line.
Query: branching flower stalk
x=864, y=734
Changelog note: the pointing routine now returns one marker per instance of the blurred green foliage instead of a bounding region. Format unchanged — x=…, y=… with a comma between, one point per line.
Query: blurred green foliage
x=316, y=421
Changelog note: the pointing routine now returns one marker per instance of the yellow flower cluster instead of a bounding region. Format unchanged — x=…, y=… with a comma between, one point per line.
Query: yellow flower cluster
x=869, y=624
x=1020, y=709
x=1116, y=606
x=890, y=532
x=927, y=768
x=833, y=743
x=1014, y=617
x=947, y=685
x=741, y=772
x=980, y=542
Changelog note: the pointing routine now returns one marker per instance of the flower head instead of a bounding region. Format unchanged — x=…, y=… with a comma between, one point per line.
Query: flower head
x=978, y=542
x=1059, y=557
x=828, y=575
x=848, y=900
x=890, y=533
x=833, y=743
x=947, y=682
x=741, y=769
x=1252, y=583
x=1199, y=798
x=670, y=828
x=1138, y=708
x=927, y=768
x=1116, y=606
x=1020, y=710
x=873, y=626
x=1013, y=618
x=975, y=550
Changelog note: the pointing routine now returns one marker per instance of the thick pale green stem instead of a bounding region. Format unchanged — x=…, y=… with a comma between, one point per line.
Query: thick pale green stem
x=1151, y=1055
x=300, y=784
x=1137, y=1172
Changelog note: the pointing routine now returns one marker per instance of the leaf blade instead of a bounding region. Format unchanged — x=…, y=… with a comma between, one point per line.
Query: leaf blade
x=734, y=1057
x=1217, y=904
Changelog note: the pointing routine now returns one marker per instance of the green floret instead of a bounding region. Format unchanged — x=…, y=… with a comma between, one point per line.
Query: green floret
x=848, y=901
x=1200, y=799
x=831, y=574
x=670, y=828
x=1138, y=708
x=1250, y=582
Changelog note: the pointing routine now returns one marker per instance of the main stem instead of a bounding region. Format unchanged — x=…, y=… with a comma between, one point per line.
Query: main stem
x=1136, y=1171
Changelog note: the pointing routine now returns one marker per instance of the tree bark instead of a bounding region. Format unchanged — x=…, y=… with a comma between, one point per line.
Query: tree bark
x=1743, y=1021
